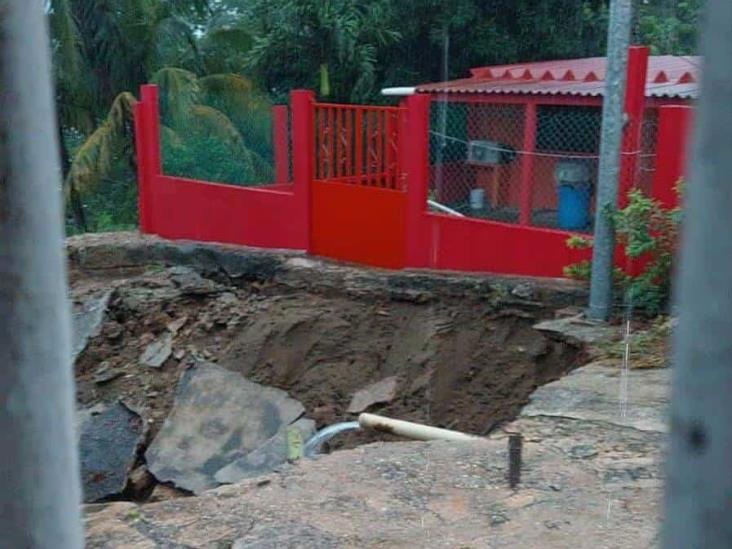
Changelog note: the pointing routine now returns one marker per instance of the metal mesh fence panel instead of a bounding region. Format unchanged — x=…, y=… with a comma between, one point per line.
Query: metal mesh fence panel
x=487, y=163
x=646, y=168
x=474, y=158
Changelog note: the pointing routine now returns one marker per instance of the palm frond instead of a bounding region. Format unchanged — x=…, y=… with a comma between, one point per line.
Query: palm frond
x=66, y=42
x=179, y=92
x=208, y=121
x=95, y=157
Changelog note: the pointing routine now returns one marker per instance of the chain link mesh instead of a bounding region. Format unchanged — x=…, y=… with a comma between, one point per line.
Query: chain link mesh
x=483, y=165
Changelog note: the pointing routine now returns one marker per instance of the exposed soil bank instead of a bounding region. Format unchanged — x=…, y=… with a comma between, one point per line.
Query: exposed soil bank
x=462, y=348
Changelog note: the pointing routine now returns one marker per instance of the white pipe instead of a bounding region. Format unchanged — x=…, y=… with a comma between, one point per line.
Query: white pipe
x=411, y=430
x=443, y=208
x=399, y=91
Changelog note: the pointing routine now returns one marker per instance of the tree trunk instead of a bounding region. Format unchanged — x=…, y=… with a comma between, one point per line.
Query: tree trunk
x=77, y=208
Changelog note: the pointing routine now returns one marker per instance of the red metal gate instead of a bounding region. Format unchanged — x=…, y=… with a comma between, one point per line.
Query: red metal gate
x=358, y=188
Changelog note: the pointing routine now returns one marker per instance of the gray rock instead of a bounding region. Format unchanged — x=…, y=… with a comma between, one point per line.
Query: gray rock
x=191, y=283
x=105, y=374
x=218, y=417
x=158, y=351
x=376, y=393
x=525, y=290
x=88, y=318
x=578, y=329
x=109, y=438
x=268, y=456
x=593, y=393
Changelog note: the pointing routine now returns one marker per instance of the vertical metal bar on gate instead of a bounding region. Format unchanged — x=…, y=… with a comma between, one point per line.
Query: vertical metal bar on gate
x=379, y=160
x=320, y=148
x=388, y=152
x=331, y=142
x=358, y=133
x=349, y=143
x=367, y=146
x=337, y=130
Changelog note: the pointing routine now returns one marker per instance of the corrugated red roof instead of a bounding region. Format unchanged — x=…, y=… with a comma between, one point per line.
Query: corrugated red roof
x=669, y=76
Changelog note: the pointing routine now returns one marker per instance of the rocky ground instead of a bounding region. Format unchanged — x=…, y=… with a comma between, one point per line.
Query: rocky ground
x=201, y=366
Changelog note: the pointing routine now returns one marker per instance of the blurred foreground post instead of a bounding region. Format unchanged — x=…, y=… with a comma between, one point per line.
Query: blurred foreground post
x=39, y=479
x=699, y=485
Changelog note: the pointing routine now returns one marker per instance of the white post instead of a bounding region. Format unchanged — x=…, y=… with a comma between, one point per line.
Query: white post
x=39, y=479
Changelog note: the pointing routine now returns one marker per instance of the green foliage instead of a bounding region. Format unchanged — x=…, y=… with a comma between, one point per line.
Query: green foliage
x=648, y=233
x=209, y=158
x=232, y=58
x=224, y=112
x=329, y=45
x=647, y=347
x=113, y=206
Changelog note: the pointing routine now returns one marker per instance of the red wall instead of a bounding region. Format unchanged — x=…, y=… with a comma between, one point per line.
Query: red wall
x=674, y=132
x=358, y=224
x=463, y=244
x=212, y=212
x=348, y=222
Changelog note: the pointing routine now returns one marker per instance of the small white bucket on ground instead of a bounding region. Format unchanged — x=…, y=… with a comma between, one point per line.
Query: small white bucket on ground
x=477, y=199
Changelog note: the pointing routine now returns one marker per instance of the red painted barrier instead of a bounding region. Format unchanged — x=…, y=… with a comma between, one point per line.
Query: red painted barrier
x=359, y=194
x=674, y=132
x=179, y=208
x=463, y=244
x=212, y=212
x=635, y=100
x=359, y=223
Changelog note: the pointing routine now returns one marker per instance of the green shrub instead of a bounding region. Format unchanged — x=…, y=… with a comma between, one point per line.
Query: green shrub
x=648, y=233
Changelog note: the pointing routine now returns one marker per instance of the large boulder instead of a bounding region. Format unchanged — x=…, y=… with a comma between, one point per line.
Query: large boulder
x=223, y=428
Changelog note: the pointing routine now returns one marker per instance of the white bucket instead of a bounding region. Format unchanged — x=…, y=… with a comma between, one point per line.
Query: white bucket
x=477, y=199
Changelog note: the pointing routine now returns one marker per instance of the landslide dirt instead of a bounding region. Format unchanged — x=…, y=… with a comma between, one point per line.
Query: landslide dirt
x=465, y=359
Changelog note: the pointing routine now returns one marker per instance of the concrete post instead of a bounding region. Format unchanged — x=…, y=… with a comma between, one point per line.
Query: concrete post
x=601, y=289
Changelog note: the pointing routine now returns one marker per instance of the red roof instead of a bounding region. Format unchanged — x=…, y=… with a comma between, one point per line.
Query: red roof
x=669, y=76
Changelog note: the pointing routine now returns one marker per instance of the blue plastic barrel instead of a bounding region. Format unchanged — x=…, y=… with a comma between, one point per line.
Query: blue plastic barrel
x=574, y=206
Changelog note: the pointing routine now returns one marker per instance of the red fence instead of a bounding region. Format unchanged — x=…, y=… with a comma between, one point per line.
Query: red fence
x=267, y=216
x=358, y=144
x=359, y=193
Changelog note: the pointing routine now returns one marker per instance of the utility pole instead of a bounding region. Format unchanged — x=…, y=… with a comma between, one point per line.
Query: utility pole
x=618, y=41
x=699, y=484
x=39, y=479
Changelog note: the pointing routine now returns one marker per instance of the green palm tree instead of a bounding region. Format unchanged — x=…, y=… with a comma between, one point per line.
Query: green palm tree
x=221, y=111
x=328, y=44
x=103, y=49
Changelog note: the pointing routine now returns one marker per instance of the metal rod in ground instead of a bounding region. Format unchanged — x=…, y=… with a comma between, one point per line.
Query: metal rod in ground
x=39, y=479
x=601, y=287
x=515, y=445
x=699, y=483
